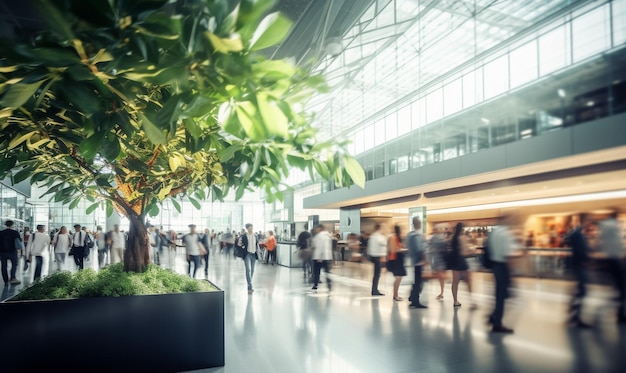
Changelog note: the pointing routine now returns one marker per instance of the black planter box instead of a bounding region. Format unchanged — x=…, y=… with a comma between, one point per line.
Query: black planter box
x=146, y=333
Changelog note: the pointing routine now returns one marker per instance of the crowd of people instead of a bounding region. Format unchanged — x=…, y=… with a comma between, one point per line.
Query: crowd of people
x=429, y=257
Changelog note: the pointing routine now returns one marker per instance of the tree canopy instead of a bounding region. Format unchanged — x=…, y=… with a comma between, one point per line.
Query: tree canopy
x=130, y=103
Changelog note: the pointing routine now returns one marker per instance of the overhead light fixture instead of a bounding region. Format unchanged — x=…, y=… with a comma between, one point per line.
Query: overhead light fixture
x=590, y=103
x=484, y=120
x=334, y=46
x=533, y=202
x=561, y=92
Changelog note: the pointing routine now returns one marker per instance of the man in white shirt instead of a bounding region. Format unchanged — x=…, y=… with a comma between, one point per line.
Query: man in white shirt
x=193, y=246
x=78, y=246
x=500, y=245
x=322, y=254
x=376, y=249
x=38, y=245
x=117, y=243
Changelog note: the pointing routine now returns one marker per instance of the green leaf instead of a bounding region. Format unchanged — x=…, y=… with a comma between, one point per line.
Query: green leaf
x=92, y=208
x=22, y=175
x=74, y=203
x=225, y=45
x=275, y=120
x=272, y=29
x=155, y=135
x=111, y=147
x=19, y=93
x=55, y=18
x=354, y=169
x=192, y=127
x=195, y=203
x=109, y=208
x=246, y=114
x=176, y=205
x=90, y=146
x=229, y=152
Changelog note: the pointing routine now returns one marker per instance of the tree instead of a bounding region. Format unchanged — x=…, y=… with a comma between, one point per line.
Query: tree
x=130, y=103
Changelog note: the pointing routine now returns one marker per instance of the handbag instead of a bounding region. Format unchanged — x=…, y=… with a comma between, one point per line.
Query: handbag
x=240, y=251
x=19, y=245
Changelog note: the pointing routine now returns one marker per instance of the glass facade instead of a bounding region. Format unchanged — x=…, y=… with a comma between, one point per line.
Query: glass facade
x=448, y=82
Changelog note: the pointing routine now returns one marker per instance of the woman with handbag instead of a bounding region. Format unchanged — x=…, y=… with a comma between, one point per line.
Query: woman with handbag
x=458, y=263
x=395, y=260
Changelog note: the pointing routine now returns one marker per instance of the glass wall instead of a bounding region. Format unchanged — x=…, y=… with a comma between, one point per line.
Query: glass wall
x=566, y=72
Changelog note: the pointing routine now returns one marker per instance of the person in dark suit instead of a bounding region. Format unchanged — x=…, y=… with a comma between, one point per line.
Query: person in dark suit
x=579, y=261
x=8, y=252
x=249, y=242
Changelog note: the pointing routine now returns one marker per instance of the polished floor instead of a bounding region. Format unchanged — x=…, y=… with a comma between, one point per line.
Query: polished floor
x=284, y=326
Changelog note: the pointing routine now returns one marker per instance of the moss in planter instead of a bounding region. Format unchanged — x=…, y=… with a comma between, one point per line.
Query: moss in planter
x=111, y=281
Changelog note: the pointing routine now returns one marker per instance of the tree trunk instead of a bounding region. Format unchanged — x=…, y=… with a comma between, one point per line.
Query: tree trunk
x=137, y=254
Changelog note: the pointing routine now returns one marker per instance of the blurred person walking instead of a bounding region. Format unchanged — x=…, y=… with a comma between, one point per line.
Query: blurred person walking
x=376, y=249
x=61, y=244
x=417, y=250
x=206, y=242
x=458, y=263
x=395, y=260
x=78, y=246
x=117, y=244
x=193, y=249
x=38, y=246
x=577, y=241
x=10, y=242
x=101, y=241
x=250, y=243
x=322, y=255
x=500, y=244
x=437, y=248
x=304, y=247
x=612, y=246
x=270, y=246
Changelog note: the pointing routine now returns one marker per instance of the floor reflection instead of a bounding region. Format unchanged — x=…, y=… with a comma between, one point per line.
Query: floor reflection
x=284, y=326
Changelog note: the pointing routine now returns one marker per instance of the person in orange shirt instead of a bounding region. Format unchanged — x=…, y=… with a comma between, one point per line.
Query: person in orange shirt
x=270, y=245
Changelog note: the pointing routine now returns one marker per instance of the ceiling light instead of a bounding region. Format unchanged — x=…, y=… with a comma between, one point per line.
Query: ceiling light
x=590, y=103
x=485, y=120
x=534, y=202
x=561, y=92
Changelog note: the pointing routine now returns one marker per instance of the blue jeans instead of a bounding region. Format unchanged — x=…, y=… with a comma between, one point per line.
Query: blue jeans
x=249, y=260
x=197, y=262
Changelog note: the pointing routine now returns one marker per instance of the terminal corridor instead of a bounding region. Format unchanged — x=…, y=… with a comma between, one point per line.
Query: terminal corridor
x=284, y=326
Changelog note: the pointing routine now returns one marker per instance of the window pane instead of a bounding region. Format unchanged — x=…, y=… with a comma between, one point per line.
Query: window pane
x=434, y=106
x=453, y=97
x=469, y=90
x=379, y=134
x=523, y=62
x=496, y=78
x=404, y=120
x=552, y=51
x=619, y=22
x=359, y=142
x=368, y=137
x=391, y=126
x=590, y=33
x=418, y=113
